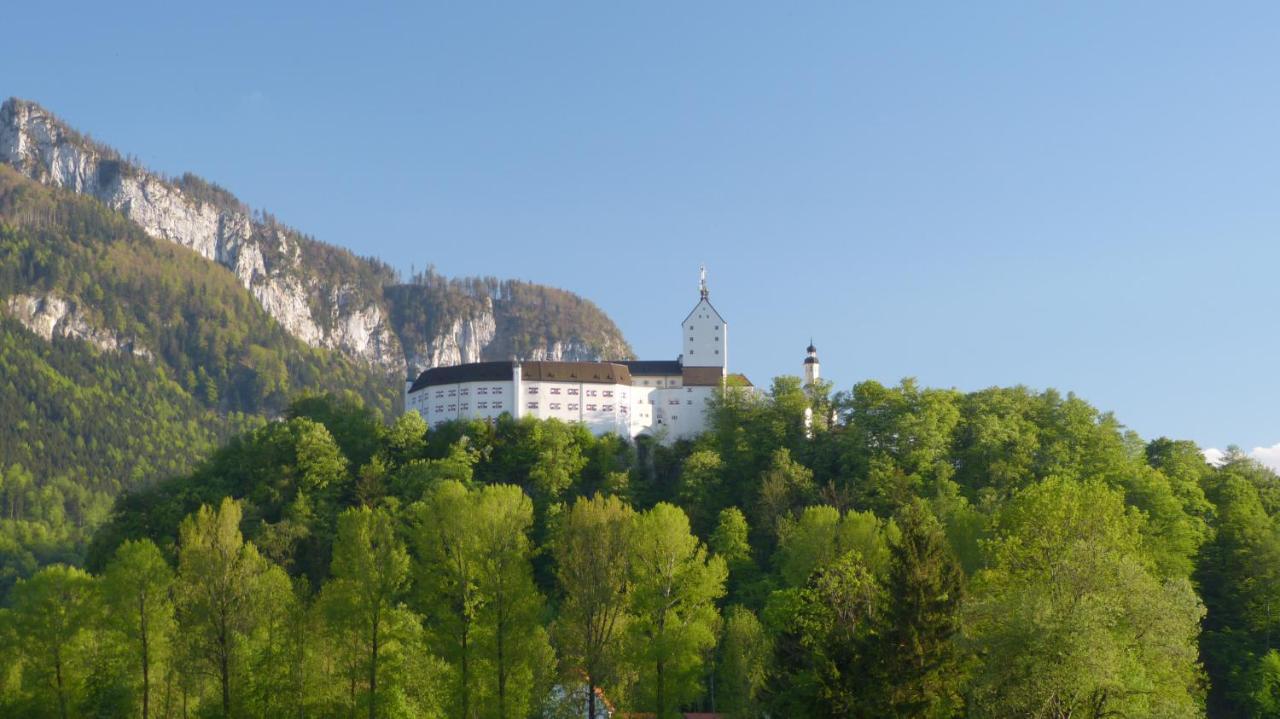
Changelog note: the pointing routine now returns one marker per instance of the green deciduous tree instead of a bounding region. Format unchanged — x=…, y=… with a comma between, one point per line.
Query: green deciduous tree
x=1072, y=620
x=823, y=643
x=136, y=589
x=513, y=642
x=675, y=587
x=53, y=612
x=592, y=546
x=370, y=570
x=448, y=573
x=745, y=650
x=219, y=575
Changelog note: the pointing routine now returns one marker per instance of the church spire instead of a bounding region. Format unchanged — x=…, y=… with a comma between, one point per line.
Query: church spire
x=702, y=281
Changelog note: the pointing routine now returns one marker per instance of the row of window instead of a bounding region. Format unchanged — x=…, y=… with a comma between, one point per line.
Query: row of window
x=440, y=394
x=466, y=407
x=573, y=407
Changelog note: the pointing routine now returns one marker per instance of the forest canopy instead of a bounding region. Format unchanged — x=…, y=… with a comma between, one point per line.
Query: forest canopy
x=914, y=553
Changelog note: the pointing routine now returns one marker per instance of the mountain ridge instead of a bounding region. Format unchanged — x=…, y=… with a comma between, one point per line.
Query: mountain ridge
x=324, y=295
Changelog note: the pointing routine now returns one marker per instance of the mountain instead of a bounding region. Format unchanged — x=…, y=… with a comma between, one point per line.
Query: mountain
x=322, y=295
x=145, y=319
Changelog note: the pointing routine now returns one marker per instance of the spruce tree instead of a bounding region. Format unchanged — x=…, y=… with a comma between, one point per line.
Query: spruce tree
x=918, y=655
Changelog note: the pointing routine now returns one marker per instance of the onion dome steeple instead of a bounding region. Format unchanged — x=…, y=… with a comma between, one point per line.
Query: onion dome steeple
x=811, y=371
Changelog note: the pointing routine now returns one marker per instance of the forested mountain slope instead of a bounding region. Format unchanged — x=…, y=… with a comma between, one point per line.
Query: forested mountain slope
x=123, y=359
x=144, y=319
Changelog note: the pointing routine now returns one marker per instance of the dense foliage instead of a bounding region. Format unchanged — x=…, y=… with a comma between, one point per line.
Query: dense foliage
x=199, y=361
x=917, y=553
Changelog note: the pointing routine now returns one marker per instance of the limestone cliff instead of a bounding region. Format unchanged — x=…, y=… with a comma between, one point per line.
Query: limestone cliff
x=53, y=316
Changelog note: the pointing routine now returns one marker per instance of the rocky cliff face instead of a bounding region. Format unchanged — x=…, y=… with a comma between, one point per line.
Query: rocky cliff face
x=291, y=276
x=52, y=316
x=266, y=258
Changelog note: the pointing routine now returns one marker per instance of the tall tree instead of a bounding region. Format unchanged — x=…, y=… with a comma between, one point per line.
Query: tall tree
x=744, y=661
x=136, y=588
x=370, y=569
x=52, y=612
x=673, y=603
x=510, y=613
x=218, y=576
x=1239, y=576
x=448, y=572
x=592, y=546
x=918, y=655
x=823, y=634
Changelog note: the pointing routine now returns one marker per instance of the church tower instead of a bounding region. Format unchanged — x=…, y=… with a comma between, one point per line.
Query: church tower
x=811, y=368
x=704, y=333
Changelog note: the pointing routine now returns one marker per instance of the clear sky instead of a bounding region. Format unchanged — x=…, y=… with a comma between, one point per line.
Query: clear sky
x=1071, y=195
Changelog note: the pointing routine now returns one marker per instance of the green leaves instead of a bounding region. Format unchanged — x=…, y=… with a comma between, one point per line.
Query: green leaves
x=1071, y=618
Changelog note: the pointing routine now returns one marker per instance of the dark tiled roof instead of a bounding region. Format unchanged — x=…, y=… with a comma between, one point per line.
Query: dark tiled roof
x=601, y=372
x=703, y=376
x=649, y=368
x=474, y=372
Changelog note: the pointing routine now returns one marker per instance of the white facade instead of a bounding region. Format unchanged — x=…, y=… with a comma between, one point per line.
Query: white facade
x=705, y=334
x=666, y=399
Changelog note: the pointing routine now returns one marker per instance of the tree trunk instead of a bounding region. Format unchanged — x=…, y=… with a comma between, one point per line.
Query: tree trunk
x=662, y=699
x=502, y=677
x=146, y=664
x=225, y=671
x=591, y=699
x=62, y=697
x=466, y=678
x=373, y=674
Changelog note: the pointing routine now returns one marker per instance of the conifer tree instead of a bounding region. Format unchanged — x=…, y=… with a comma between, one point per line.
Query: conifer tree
x=918, y=656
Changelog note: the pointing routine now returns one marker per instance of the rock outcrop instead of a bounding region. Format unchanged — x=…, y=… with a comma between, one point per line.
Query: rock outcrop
x=52, y=316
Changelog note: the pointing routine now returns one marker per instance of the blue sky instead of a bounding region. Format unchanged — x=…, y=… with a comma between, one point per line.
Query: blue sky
x=1081, y=196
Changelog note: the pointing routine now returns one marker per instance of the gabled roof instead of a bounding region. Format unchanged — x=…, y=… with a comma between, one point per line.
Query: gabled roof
x=713, y=309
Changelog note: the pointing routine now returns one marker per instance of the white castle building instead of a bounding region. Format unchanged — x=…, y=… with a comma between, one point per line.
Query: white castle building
x=663, y=398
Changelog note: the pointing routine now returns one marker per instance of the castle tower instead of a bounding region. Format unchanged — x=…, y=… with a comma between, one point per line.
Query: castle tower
x=704, y=333
x=811, y=368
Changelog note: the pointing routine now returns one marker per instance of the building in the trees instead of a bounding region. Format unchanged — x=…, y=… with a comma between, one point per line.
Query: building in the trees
x=812, y=373
x=811, y=367
x=664, y=398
